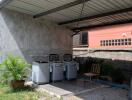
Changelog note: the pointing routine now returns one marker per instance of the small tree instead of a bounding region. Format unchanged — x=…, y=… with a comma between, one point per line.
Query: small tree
x=15, y=68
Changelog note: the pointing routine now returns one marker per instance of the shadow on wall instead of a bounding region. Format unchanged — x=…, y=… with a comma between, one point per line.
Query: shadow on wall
x=119, y=70
x=21, y=34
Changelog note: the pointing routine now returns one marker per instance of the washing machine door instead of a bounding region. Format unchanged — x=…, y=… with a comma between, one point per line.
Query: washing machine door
x=40, y=73
x=57, y=72
x=71, y=70
x=44, y=73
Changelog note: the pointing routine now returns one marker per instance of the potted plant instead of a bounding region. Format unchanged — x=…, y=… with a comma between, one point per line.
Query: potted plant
x=16, y=70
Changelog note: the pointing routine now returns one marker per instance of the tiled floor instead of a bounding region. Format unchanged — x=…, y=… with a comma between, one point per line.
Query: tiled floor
x=105, y=94
x=78, y=90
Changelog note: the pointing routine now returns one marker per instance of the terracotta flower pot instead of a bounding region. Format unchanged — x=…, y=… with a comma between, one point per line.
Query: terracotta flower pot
x=17, y=83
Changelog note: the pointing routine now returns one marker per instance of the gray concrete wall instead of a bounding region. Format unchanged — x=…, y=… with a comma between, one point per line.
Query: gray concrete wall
x=114, y=54
x=21, y=34
x=119, y=59
x=76, y=40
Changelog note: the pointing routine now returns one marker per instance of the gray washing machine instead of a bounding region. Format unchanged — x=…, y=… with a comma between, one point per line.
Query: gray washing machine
x=70, y=67
x=56, y=68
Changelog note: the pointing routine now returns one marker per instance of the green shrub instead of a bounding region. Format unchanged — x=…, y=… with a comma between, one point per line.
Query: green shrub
x=14, y=68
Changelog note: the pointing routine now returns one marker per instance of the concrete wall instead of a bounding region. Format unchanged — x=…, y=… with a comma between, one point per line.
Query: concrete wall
x=114, y=54
x=120, y=59
x=115, y=32
x=76, y=40
x=21, y=34
x=86, y=62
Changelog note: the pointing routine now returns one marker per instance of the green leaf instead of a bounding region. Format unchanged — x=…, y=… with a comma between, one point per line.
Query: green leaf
x=16, y=66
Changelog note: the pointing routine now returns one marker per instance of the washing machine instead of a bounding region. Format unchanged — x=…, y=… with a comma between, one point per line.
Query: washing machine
x=56, y=68
x=70, y=67
x=40, y=72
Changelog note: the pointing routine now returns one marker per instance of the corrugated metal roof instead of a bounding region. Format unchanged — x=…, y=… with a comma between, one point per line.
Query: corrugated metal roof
x=101, y=20
x=100, y=6
x=92, y=7
x=57, y=17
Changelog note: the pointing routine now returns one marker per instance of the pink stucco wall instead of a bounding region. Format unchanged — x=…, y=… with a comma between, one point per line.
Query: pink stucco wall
x=109, y=33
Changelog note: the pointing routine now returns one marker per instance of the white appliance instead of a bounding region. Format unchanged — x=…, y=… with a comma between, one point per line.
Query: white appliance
x=40, y=72
x=56, y=68
x=70, y=67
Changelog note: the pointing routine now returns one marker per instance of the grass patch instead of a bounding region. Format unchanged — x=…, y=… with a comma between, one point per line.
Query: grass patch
x=27, y=93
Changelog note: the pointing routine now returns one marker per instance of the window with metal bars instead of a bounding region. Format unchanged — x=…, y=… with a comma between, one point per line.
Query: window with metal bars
x=116, y=42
